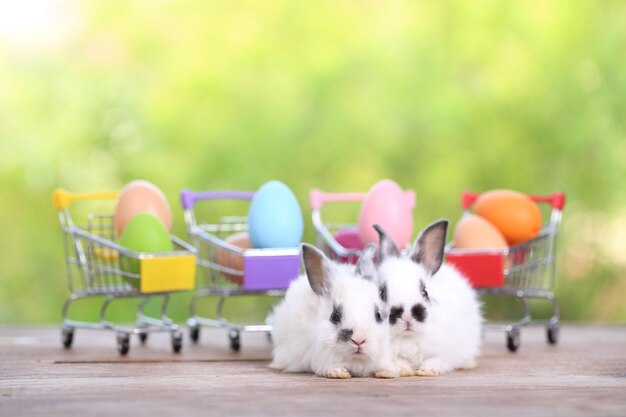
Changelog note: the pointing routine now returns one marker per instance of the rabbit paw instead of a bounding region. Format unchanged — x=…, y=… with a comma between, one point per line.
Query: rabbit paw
x=336, y=373
x=277, y=366
x=431, y=367
x=386, y=374
x=403, y=367
x=423, y=372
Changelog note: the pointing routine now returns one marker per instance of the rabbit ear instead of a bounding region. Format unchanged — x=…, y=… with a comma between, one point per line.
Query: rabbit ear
x=428, y=248
x=388, y=247
x=318, y=268
x=365, y=266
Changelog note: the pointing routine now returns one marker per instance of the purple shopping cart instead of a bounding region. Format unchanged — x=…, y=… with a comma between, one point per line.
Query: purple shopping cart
x=227, y=268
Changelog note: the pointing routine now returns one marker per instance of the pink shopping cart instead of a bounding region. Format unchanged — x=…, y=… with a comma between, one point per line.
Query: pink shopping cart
x=339, y=240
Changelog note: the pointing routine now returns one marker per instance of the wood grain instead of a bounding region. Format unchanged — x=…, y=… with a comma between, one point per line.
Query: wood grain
x=585, y=374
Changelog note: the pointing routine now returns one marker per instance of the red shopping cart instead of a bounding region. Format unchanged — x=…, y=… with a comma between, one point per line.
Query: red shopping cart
x=524, y=271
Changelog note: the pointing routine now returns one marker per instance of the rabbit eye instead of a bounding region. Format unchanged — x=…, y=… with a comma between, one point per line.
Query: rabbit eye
x=335, y=317
x=378, y=316
x=424, y=292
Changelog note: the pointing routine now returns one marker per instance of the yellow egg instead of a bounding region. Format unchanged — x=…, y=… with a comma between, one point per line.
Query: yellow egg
x=474, y=232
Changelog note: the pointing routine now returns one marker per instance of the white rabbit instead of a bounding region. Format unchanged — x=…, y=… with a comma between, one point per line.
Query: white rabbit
x=333, y=321
x=435, y=315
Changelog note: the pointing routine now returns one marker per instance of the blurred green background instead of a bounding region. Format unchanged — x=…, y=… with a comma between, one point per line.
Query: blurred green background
x=439, y=96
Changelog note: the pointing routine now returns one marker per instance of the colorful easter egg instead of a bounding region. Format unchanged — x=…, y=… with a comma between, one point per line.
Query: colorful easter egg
x=275, y=217
x=514, y=214
x=144, y=233
x=391, y=207
x=139, y=196
x=474, y=232
x=233, y=260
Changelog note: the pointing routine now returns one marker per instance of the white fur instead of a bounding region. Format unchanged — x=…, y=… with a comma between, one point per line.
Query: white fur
x=305, y=340
x=450, y=336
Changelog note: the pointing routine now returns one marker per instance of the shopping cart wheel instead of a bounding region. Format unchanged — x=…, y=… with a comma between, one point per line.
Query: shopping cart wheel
x=177, y=342
x=235, y=340
x=194, y=333
x=123, y=343
x=513, y=340
x=67, y=336
x=553, y=334
x=143, y=336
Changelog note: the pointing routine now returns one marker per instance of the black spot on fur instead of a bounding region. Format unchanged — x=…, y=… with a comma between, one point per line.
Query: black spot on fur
x=382, y=291
x=336, y=315
x=344, y=335
x=394, y=314
x=419, y=312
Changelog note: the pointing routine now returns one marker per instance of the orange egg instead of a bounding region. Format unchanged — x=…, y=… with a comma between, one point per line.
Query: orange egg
x=474, y=232
x=514, y=214
x=231, y=259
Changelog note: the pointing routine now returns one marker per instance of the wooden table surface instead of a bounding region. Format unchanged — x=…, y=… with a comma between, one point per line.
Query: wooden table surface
x=584, y=375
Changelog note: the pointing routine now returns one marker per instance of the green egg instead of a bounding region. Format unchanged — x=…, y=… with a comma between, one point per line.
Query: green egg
x=144, y=233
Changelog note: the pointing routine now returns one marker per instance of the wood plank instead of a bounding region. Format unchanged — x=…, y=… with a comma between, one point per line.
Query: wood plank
x=584, y=375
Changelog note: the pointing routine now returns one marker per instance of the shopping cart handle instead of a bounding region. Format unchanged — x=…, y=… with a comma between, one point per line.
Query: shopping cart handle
x=468, y=198
x=189, y=198
x=63, y=199
x=556, y=199
x=318, y=198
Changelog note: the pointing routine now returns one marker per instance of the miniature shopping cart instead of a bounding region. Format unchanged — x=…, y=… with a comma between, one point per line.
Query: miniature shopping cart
x=524, y=271
x=340, y=241
x=96, y=268
x=226, y=270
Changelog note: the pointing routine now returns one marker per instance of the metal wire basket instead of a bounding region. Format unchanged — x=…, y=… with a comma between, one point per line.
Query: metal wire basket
x=524, y=271
x=226, y=270
x=339, y=239
x=97, y=266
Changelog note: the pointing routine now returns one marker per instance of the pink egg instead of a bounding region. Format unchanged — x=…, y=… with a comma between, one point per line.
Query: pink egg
x=391, y=207
x=139, y=196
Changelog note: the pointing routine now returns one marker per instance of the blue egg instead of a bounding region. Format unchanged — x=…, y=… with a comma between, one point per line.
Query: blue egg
x=275, y=218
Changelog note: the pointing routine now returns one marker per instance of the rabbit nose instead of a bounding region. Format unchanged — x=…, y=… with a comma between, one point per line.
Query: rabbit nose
x=358, y=342
x=406, y=318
